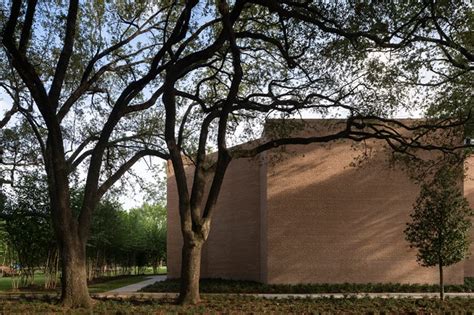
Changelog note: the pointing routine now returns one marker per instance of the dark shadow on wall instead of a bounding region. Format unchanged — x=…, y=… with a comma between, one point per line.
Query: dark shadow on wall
x=327, y=222
x=331, y=223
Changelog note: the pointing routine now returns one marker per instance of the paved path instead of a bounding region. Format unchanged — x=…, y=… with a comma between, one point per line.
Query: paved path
x=137, y=286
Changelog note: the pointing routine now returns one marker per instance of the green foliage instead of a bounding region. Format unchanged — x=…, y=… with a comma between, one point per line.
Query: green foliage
x=236, y=304
x=441, y=221
x=27, y=224
x=118, y=238
x=4, y=252
x=152, y=226
x=133, y=238
x=315, y=57
x=241, y=287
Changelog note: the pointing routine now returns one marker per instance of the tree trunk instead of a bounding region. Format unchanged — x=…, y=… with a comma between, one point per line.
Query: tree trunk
x=441, y=282
x=74, y=291
x=190, y=272
x=155, y=265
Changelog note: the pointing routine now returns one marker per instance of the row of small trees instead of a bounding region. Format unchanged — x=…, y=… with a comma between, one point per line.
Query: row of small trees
x=121, y=242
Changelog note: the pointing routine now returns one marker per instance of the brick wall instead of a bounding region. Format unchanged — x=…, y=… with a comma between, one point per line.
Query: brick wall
x=232, y=250
x=329, y=222
x=469, y=194
x=305, y=214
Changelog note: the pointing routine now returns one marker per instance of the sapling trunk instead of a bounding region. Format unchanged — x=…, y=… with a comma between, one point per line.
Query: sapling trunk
x=441, y=281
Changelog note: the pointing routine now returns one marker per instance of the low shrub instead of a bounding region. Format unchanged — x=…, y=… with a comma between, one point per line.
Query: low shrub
x=234, y=286
x=235, y=304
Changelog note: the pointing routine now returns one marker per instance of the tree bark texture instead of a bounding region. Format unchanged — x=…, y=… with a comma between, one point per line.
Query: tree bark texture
x=74, y=291
x=190, y=272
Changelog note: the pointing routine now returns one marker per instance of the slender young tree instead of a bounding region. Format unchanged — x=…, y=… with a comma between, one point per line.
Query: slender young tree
x=441, y=222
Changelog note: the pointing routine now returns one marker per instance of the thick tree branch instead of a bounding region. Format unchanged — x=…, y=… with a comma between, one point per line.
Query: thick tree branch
x=145, y=105
x=25, y=68
x=8, y=115
x=364, y=128
x=223, y=157
x=66, y=53
x=126, y=166
x=273, y=41
x=118, y=111
x=27, y=24
x=9, y=29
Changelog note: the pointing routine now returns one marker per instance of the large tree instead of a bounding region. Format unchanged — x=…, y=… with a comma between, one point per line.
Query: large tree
x=175, y=78
x=283, y=57
x=75, y=73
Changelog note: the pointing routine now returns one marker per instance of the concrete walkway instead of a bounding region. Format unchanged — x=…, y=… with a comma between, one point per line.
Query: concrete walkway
x=137, y=286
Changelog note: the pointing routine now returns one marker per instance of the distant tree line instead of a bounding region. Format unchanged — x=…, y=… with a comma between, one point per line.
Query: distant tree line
x=121, y=242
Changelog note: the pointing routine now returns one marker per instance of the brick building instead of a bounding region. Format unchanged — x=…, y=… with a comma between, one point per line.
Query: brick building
x=308, y=215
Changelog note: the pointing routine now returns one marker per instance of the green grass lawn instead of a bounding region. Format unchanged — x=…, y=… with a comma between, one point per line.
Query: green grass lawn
x=100, y=285
x=6, y=282
x=247, y=304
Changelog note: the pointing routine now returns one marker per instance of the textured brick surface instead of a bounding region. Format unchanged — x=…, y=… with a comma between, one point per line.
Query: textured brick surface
x=232, y=250
x=469, y=193
x=305, y=214
x=330, y=222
